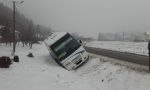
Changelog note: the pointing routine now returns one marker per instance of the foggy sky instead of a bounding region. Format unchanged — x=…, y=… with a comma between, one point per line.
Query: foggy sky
x=89, y=17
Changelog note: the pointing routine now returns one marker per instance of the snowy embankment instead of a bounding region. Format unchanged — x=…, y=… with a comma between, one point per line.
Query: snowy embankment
x=42, y=73
x=131, y=47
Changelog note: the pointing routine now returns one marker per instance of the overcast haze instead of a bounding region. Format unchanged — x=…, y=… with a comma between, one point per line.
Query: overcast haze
x=89, y=17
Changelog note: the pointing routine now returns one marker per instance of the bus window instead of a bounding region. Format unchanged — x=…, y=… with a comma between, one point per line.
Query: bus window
x=65, y=47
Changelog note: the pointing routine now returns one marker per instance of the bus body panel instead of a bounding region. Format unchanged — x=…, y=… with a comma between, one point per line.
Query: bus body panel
x=72, y=61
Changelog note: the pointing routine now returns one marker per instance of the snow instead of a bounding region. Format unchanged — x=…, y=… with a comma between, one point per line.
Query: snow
x=55, y=36
x=38, y=73
x=42, y=73
x=131, y=47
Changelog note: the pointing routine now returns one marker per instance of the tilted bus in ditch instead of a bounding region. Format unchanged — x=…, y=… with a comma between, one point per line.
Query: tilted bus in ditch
x=66, y=50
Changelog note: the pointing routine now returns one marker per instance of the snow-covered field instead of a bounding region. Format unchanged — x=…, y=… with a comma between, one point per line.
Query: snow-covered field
x=132, y=47
x=42, y=73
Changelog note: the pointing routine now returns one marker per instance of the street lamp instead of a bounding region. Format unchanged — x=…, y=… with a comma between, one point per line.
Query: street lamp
x=14, y=25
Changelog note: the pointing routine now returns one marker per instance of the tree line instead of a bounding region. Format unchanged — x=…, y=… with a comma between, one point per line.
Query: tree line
x=28, y=31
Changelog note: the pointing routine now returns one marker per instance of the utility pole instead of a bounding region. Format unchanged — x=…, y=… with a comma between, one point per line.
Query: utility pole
x=38, y=32
x=14, y=25
x=100, y=36
x=123, y=36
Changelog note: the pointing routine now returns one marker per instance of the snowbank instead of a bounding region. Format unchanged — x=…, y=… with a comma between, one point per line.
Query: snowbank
x=132, y=47
x=42, y=73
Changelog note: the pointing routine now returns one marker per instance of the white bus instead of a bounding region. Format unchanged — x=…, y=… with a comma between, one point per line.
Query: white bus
x=66, y=50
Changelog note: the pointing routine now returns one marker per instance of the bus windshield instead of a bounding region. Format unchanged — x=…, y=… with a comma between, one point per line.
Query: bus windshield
x=65, y=47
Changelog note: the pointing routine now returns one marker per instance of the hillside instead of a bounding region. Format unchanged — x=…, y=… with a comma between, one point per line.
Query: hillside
x=25, y=26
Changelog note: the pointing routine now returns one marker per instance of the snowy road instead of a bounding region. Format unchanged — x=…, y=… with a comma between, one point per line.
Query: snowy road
x=124, y=56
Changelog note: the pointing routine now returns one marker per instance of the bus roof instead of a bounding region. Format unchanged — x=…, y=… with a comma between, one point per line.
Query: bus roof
x=55, y=36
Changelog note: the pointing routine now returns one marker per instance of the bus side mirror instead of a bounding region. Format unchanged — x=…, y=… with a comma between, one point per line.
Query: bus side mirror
x=80, y=41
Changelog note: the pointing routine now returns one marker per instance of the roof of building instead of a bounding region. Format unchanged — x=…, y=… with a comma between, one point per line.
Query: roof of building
x=17, y=31
x=1, y=27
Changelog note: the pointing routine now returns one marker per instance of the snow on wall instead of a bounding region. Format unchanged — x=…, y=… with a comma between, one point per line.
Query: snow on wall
x=132, y=47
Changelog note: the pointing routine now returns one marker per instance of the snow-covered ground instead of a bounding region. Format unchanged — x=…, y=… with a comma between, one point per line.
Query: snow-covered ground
x=132, y=47
x=42, y=73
